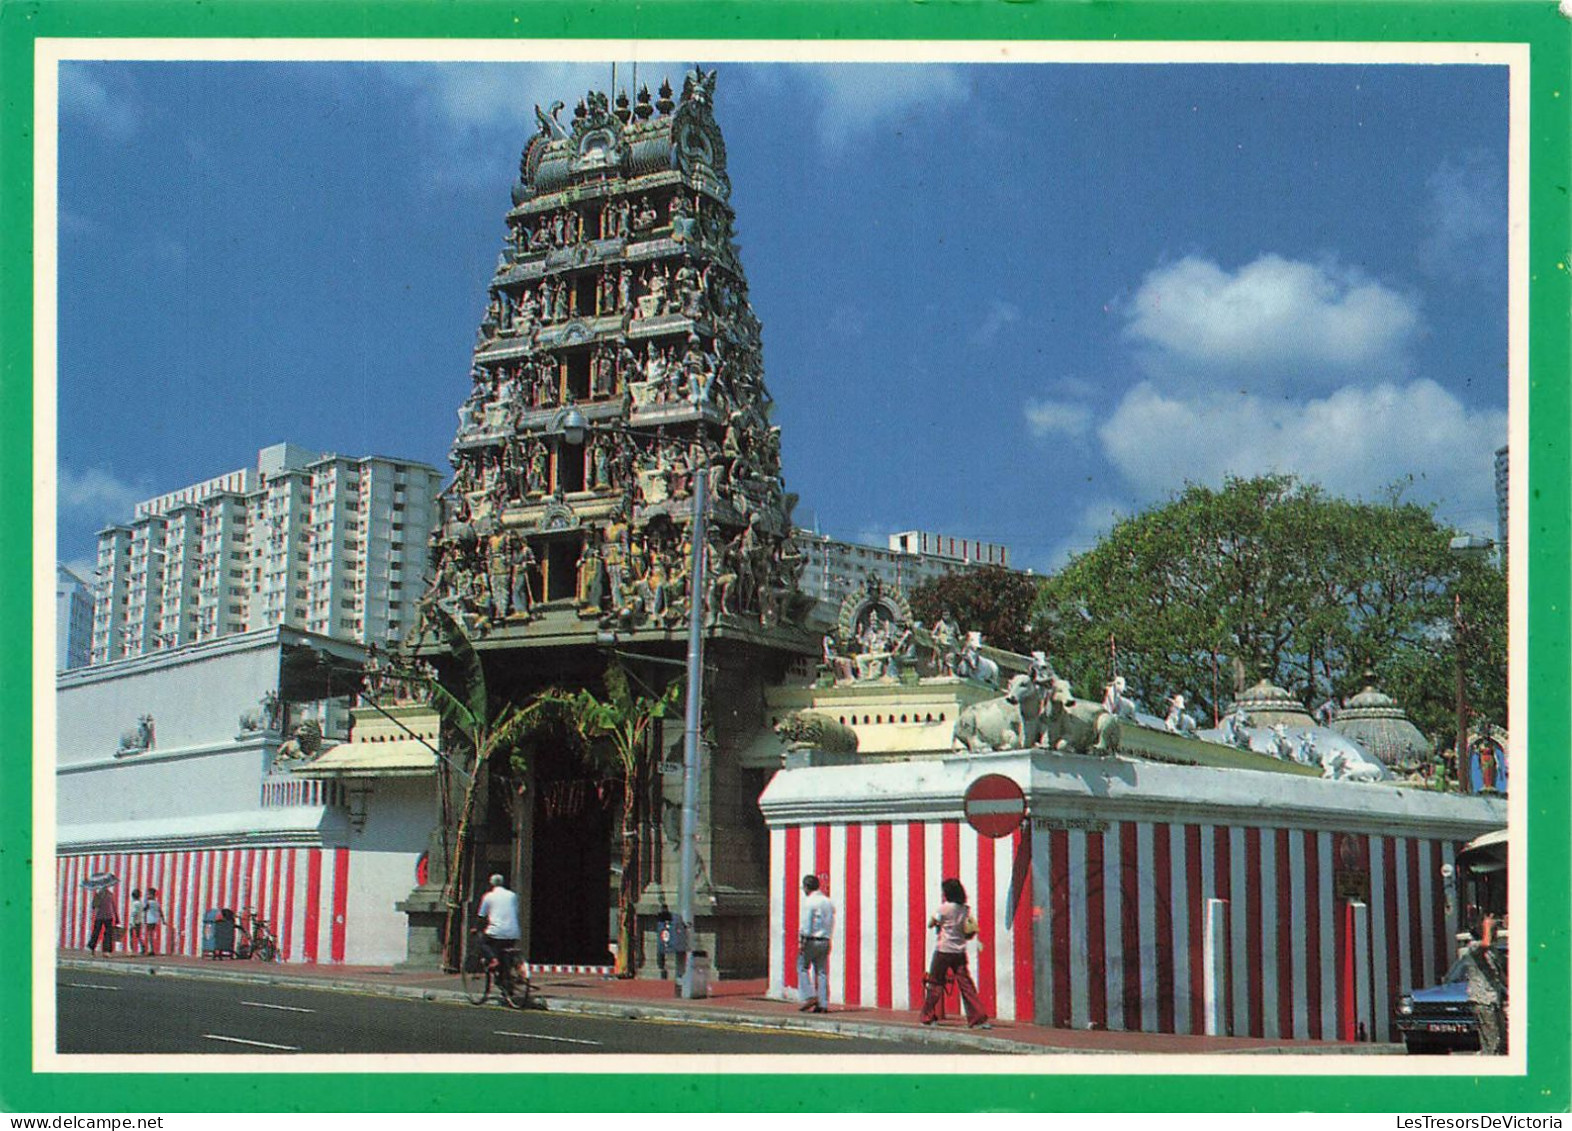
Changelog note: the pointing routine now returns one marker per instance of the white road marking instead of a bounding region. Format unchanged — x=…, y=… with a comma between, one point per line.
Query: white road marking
x=540, y=1037
x=243, y=1041
x=91, y=986
x=285, y=1008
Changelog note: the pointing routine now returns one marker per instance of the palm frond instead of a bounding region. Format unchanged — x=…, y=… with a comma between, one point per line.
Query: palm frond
x=471, y=673
x=453, y=712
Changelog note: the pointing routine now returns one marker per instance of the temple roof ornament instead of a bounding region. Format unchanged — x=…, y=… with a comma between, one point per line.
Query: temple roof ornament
x=1267, y=704
x=1375, y=721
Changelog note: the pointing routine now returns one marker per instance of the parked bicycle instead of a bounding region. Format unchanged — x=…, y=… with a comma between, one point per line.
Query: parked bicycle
x=254, y=938
x=481, y=973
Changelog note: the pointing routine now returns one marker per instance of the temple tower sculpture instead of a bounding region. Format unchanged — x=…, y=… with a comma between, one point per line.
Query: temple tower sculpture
x=617, y=363
x=619, y=305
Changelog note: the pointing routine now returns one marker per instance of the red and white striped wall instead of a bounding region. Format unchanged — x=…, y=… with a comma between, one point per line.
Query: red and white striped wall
x=302, y=892
x=884, y=878
x=1326, y=917
x=1121, y=911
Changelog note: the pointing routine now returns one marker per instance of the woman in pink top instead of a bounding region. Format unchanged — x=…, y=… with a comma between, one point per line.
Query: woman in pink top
x=950, y=922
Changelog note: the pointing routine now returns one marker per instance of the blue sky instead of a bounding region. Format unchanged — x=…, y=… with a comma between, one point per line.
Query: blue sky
x=1008, y=302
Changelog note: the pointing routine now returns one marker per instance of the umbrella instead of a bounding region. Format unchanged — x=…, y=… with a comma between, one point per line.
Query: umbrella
x=100, y=880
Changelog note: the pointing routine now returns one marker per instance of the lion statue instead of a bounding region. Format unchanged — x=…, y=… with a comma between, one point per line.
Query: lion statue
x=806, y=730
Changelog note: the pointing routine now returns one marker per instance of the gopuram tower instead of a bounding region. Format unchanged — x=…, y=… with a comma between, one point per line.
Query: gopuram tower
x=618, y=362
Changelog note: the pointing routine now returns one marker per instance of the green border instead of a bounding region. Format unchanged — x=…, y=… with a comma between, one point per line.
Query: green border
x=1549, y=36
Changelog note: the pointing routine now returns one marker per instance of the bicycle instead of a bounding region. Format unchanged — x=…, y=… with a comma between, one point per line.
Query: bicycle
x=255, y=939
x=479, y=973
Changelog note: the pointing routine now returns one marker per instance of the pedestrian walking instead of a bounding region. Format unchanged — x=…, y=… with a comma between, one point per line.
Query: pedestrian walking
x=105, y=918
x=153, y=914
x=815, y=926
x=136, y=942
x=955, y=927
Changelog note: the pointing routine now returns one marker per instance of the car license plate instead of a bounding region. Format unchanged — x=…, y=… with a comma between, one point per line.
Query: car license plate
x=1446, y=1027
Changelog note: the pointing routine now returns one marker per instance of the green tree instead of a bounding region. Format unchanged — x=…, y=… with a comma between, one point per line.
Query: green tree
x=994, y=601
x=617, y=727
x=1270, y=576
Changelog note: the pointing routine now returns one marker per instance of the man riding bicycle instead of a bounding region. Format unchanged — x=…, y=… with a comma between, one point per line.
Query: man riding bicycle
x=499, y=910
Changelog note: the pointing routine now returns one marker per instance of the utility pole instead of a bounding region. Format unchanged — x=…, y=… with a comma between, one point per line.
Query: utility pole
x=691, y=750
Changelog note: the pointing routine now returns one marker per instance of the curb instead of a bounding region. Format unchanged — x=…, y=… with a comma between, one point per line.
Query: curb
x=640, y=1011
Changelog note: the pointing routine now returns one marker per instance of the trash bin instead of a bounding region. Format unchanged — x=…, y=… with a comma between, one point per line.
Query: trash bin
x=218, y=933
x=699, y=968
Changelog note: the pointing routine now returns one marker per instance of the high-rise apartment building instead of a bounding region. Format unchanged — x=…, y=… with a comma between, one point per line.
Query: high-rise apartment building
x=330, y=544
x=73, y=619
x=832, y=568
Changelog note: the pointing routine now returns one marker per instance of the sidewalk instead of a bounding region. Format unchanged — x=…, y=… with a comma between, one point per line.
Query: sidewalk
x=730, y=1003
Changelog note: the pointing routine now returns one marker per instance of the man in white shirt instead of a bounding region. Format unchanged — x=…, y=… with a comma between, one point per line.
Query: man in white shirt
x=499, y=907
x=815, y=926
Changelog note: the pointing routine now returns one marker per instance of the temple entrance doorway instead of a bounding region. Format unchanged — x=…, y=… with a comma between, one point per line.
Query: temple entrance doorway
x=570, y=906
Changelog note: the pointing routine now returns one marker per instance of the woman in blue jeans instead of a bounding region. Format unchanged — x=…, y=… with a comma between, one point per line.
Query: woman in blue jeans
x=953, y=921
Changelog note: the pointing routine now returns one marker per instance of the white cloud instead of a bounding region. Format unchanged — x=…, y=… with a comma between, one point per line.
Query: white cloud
x=1000, y=314
x=857, y=99
x=1353, y=441
x=1465, y=218
x=1270, y=321
x=1084, y=530
x=83, y=95
x=479, y=116
x=96, y=496
x=1058, y=418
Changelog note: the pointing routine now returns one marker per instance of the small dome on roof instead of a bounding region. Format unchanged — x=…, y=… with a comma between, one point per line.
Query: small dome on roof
x=1375, y=721
x=1268, y=704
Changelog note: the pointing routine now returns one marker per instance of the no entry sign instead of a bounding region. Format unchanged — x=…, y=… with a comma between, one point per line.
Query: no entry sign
x=994, y=805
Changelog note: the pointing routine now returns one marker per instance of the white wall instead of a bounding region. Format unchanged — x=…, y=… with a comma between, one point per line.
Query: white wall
x=401, y=813
x=195, y=695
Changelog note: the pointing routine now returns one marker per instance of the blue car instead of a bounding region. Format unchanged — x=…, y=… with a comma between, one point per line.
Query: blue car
x=1443, y=1018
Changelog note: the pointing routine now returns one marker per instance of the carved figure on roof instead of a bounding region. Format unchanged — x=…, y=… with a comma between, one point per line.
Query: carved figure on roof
x=646, y=217
x=1115, y=702
x=839, y=667
x=549, y=125
x=699, y=86
x=946, y=637
x=523, y=595
x=499, y=571
x=1012, y=721
x=590, y=591
x=1078, y=726
x=1177, y=720
x=689, y=288
x=811, y=730
x=1236, y=728
x=139, y=739
x=1340, y=764
x=304, y=743
x=535, y=483
x=970, y=663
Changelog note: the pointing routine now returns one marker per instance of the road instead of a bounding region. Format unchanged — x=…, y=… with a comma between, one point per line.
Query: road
x=110, y=1011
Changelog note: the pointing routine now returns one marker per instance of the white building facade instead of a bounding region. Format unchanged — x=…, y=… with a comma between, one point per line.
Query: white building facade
x=168, y=775
x=329, y=544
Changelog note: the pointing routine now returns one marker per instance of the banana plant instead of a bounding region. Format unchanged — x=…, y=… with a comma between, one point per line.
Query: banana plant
x=466, y=712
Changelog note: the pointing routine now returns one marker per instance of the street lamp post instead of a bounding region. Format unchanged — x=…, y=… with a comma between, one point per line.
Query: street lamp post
x=572, y=426
x=1467, y=546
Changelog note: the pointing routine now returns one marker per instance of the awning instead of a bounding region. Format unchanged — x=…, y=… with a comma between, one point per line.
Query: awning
x=1484, y=854
x=395, y=758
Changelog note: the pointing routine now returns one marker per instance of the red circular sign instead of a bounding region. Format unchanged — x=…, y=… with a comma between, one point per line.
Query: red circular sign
x=994, y=805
